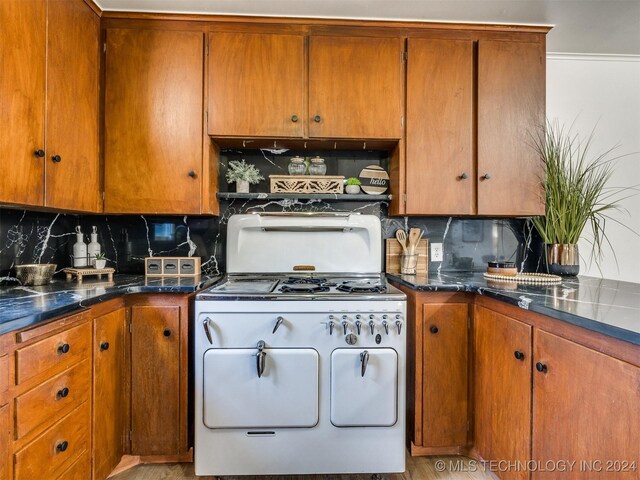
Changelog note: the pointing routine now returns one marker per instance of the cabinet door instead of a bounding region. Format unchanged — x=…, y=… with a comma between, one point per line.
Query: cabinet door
x=502, y=418
x=22, y=93
x=155, y=380
x=586, y=408
x=4, y=442
x=153, y=121
x=72, y=164
x=440, y=134
x=445, y=378
x=355, y=87
x=109, y=388
x=511, y=110
x=256, y=85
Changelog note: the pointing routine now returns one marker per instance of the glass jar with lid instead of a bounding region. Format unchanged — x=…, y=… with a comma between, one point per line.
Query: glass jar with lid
x=317, y=166
x=297, y=166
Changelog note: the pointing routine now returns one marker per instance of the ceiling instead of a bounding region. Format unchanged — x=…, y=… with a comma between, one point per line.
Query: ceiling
x=581, y=26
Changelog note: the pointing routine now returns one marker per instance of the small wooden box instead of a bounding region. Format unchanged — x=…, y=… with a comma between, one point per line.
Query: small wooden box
x=394, y=252
x=306, y=184
x=172, y=266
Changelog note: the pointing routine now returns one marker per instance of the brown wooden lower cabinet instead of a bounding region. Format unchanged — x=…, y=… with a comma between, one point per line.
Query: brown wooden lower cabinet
x=586, y=408
x=502, y=393
x=155, y=380
x=4, y=442
x=110, y=406
x=445, y=378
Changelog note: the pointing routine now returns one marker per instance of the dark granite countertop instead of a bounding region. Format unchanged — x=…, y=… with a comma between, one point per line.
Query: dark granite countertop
x=606, y=306
x=24, y=306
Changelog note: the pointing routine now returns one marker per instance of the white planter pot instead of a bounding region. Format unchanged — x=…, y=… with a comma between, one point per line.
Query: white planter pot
x=100, y=264
x=242, y=186
x=352, y=189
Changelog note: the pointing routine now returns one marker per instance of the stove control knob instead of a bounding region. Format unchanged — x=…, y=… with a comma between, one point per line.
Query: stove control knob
x=358, y=325
x=372, y=326
x=345, y=326
x=385, y=325
x=331, y=325
x=399, y=326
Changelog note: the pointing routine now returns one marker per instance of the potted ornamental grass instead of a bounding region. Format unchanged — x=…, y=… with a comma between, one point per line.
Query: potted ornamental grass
x=243, y=174
x=577, y=194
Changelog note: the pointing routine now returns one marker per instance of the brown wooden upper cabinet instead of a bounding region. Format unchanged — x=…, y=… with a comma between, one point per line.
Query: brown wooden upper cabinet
x=355, y=87
x=440, y=135
x=53, y=43
x=511, y=110
x=153, y=121
x=258, y=86
x=448, y=101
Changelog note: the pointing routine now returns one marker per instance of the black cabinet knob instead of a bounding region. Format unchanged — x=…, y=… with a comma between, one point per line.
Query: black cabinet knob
x=64, y=348
x=541, y=367
x=486, y=176
x=56, y=159
x=434, y=329
x=62, y=446
x=104, y=346
x=463, y=176
x=192, y=174
x=39, y=153
x=294, y=118
x=317, y=119
x=62, y=393
x=519, y=355
x=167, y=332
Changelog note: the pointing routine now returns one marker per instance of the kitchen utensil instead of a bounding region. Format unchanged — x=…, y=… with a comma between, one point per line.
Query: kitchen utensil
x=401, y=236
x=414, y=237
x=35, y=274
x=393, y=256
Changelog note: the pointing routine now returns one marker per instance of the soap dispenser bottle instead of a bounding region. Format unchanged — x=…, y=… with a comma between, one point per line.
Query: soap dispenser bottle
x=79, y=250
x=93, y=248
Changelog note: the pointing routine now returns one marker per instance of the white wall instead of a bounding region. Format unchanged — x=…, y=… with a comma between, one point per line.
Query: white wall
x=604, y=90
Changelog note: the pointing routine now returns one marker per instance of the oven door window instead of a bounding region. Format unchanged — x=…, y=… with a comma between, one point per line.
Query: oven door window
x=364, y=387
x=285, y=394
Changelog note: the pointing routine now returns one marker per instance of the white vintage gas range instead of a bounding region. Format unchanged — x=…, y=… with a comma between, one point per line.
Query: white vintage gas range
x=300, y=351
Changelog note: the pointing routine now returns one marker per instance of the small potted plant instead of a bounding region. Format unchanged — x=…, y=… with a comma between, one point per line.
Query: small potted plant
x=352, y=186
x=101, y=261
x=243, y=174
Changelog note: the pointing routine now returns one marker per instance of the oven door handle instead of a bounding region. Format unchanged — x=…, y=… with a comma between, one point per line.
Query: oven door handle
x=207, y=330
x=364, y=360
x=261, y=357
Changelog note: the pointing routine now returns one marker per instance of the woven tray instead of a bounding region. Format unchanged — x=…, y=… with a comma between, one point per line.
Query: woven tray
x=79, y=273
x=530, y=278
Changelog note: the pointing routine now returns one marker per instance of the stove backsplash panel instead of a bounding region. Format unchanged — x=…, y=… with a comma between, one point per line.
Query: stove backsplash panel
x=41, y=237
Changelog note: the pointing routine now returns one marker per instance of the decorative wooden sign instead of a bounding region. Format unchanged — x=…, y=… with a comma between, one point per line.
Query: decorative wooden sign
x=374, y=179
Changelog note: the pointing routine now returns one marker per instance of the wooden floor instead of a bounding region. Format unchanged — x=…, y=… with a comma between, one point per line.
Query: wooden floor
x=418, y=468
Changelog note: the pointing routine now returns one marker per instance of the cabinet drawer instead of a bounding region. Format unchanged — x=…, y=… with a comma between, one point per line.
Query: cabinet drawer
x=48, y=400
x=80, y=470
x=56, y=447
x=58, y=351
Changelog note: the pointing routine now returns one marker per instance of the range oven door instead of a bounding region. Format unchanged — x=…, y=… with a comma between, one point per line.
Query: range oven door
x=364, y=387
x=285, y=394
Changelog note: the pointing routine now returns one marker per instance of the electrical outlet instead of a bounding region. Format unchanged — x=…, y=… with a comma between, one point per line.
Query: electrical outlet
x=436, y=252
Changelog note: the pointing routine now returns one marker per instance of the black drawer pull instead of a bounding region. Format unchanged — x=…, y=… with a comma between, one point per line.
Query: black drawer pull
x=64, y=348
x=104, y=346
x=519, y=355
x=62, y=446
x=62, y=393
x=434, y=329
x=541, y=367
x=167, y=332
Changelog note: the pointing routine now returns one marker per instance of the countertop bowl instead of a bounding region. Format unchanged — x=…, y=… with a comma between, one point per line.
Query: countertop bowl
x=35, y=274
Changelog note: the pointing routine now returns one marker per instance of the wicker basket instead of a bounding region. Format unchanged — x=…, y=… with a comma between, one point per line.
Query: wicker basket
x=35, y=274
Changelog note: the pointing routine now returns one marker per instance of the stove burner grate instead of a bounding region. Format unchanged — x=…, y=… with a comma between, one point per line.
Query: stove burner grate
x=360, y=287
x=304, y=281
x=304, y=288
